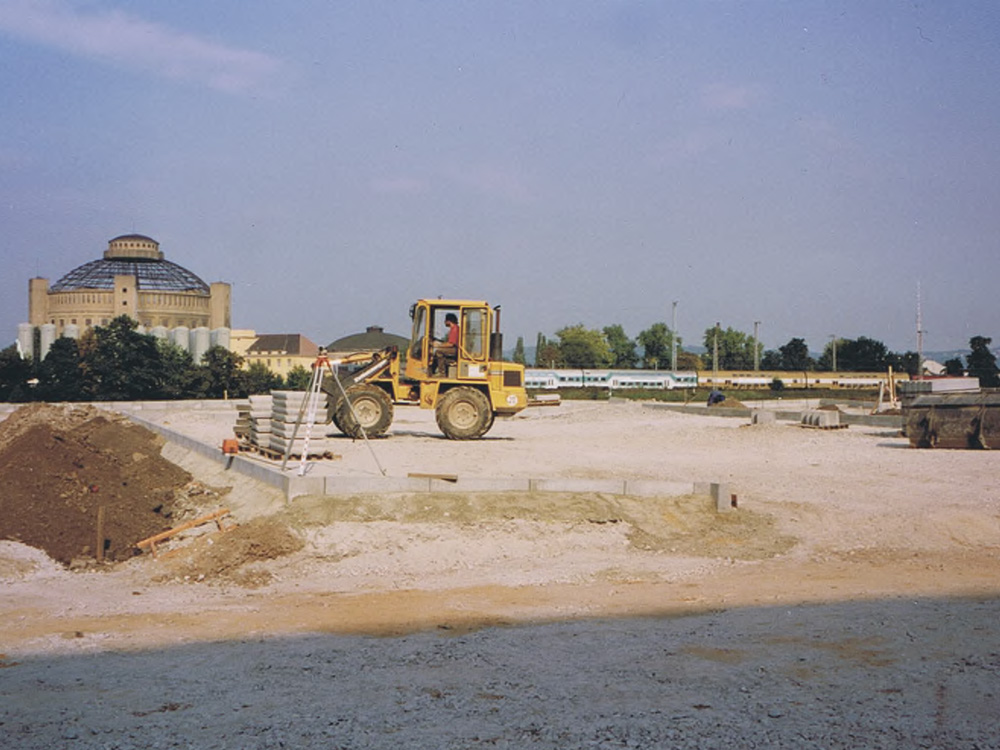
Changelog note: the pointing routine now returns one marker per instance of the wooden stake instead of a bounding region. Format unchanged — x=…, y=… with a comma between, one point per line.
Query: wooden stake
x=100, y=533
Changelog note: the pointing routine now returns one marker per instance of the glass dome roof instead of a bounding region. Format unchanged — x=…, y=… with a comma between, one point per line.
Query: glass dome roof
x=132, y=255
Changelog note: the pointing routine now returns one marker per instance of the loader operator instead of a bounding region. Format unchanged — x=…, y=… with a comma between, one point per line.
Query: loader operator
x=446, y=351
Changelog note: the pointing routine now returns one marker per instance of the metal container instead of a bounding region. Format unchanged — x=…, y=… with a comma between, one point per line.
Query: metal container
x=960, y=420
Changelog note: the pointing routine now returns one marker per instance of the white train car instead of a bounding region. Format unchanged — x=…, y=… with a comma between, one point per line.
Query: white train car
x=609, y=379
x=795, y=379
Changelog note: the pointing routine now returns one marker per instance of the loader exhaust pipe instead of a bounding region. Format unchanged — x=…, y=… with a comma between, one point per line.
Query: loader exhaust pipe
x=496, y=338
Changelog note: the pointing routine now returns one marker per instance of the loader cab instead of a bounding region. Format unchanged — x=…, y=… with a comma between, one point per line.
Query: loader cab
x=472, y=357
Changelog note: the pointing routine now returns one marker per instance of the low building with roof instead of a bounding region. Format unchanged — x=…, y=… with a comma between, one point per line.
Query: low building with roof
x=279, y=352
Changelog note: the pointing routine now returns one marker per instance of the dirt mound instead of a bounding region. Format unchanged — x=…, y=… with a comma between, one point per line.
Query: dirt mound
x=729, y=403
x=60, y=417
x=67, y=469
x=231, y=555
x=685, y=525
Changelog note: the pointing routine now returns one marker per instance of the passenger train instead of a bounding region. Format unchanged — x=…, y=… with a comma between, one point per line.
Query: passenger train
x=663, y=379
x=729, y=379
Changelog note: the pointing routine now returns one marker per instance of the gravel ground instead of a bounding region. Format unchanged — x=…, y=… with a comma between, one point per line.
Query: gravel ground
x=886, y=674
x=557, y=622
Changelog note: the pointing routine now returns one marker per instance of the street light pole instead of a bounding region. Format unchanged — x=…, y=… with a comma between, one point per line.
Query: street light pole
x=833, y=345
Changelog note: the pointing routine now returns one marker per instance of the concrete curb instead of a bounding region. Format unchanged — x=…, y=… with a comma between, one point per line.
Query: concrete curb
x=293, y=485
x=893, y=421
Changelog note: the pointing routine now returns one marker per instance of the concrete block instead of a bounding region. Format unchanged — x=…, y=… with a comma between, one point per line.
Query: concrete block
x=821, y=418
x=760, y=416
x=722, y=497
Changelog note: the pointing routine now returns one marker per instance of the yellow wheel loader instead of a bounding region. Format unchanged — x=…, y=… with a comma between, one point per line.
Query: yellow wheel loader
x=467, y=384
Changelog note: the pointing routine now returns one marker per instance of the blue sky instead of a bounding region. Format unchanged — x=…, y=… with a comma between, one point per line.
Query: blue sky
x=801, y=164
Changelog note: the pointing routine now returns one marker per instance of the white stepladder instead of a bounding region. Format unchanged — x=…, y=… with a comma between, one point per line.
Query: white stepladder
x=310, y=405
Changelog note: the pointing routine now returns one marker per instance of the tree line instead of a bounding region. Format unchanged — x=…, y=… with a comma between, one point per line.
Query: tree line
x=117, y=363
x=578, y=347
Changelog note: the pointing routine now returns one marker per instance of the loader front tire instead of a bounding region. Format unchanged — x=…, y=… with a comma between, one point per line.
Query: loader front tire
x=463, y=413
x=372, y=406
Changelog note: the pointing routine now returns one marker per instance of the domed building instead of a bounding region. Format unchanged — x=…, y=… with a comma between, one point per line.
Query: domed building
x=372, y=340
x=133, y=278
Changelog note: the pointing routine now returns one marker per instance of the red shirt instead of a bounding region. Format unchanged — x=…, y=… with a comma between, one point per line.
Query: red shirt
x=453, y=334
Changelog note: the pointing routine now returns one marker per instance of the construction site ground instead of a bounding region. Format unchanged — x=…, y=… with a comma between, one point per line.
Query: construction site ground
x=850, y=599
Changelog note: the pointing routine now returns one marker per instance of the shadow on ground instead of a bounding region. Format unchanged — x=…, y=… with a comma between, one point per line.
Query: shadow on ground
x=879, y=674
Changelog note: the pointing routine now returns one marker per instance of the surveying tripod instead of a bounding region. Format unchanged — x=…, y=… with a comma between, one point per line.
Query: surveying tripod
x=310, y=405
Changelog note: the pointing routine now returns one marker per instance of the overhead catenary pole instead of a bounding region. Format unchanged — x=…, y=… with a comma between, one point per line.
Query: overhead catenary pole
x=673, y=338
x=756, y=346
x=920, y=336
x=715, y=356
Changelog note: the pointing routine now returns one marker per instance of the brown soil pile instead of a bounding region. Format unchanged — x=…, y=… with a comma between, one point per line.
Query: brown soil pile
x=232, y=555
x=729, y=403
x=63, y=467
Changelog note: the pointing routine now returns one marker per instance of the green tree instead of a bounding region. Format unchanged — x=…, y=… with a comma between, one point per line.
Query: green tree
x=223, y=368
x=519, y=350
x=298, y=379
x=540, y=344
x=623, y=354
x=855, y=355
x=178, y=376
x=121, y=364
x=687, y=360
x=583, y=347
x=657, y=347
x=14, y=375
x=550, y=355
x=795, y=356
x=908, y=362
x=258, y=378
x=954, y=367
x=982, y=363
x=771, y=360
x=736, y=348
x=60, y=377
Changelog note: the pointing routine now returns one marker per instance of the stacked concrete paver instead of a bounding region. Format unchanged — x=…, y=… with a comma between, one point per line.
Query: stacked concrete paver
x=260, y=421
x=285, y=412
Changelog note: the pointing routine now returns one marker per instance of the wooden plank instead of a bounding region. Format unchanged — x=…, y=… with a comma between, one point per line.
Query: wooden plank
x=151, y=541
x=100, y=533
x=443, y=477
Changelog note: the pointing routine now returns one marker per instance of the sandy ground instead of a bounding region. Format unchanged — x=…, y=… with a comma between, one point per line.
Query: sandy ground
x=850, y=600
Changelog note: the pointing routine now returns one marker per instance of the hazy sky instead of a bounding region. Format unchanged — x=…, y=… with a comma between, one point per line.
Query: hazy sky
x=801, y=164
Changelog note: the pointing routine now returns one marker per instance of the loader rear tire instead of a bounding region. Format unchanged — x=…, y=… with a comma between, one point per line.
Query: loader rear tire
x=372, y=406
x=463, y=413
